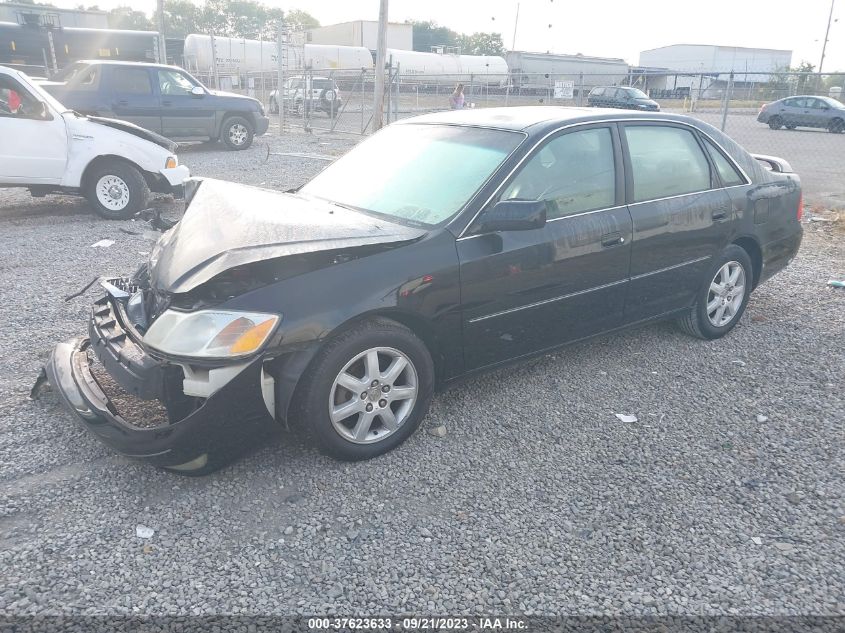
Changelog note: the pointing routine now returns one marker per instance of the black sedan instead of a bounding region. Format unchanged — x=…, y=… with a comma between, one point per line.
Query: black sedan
x=444, y=245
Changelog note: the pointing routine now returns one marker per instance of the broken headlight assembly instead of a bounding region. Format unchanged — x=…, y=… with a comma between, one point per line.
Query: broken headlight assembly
x=211, y=333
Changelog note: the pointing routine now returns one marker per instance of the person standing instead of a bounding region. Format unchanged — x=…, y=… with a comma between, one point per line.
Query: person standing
x=456, y=100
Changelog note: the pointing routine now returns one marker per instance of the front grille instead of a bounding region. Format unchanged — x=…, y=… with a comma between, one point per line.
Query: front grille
x=125, y=284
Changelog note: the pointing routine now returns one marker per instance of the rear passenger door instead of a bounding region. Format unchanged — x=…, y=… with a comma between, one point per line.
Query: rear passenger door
x=132, y=96
x=681, y=216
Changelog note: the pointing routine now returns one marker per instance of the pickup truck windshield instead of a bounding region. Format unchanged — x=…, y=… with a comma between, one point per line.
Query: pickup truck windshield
x=422, y=174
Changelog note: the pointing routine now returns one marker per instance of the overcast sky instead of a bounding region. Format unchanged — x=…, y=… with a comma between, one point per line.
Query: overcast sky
x=610, y=28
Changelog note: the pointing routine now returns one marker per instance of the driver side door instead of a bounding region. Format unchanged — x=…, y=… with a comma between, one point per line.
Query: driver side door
x=529, y=290
x=33, y=148
x=184, y=115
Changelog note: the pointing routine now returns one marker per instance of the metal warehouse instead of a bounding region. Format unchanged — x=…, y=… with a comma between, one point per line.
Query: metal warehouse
x=706, y=68
x=48, y=15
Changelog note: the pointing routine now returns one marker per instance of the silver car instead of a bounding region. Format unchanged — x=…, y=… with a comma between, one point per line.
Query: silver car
x=804, y=111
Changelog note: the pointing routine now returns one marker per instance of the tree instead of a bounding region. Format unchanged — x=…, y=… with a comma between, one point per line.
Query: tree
x=181, y=17
x=129, y=19
x=482, y=44
x=428, y=34
x=299, y=20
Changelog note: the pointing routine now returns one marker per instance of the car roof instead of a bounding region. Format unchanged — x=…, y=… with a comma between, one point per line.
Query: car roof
x=116, y=62
x=529, y=118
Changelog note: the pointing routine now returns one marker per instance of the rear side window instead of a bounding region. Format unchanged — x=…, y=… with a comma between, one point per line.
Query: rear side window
x=730, y=176
x=132, y=81
x=665, y=161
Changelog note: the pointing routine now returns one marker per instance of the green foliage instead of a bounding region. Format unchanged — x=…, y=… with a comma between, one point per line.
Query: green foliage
x=299, y=20
x=130, y=19
x=482, y=44
x=230, y=18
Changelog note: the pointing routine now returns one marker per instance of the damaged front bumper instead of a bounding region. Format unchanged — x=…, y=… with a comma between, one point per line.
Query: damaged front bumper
x=199, y=431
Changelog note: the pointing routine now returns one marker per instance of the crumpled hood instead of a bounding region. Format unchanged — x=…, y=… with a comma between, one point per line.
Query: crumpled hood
x=228, y=225
x=135, y=130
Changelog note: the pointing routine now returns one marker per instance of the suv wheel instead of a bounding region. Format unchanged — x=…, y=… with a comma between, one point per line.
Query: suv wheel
x=237, y=133
x=723, y=296
x=366, y=391
x=117, y=191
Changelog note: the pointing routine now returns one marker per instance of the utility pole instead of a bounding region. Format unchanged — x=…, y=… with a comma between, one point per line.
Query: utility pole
x=826, y=33
x=378, y=97
x=162, y=47
x=281, y=62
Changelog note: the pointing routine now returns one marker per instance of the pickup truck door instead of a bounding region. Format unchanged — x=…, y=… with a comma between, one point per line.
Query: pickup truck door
x=33, y=149
x=129, y=90
x=183, y=114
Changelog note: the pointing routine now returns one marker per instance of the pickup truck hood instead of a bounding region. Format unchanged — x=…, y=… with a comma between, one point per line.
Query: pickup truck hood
x=140, y=132
x=228, y=225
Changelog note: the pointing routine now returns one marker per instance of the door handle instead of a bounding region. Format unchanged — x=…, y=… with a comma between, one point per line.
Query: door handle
x=122, y=102
x=612, y=239
x=166, y=103
x=720, y=215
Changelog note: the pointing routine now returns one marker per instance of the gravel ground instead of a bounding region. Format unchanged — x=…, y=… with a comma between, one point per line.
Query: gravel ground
x=725, y=497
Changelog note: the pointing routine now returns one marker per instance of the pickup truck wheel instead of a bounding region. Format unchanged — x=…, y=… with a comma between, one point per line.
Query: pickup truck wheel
x=237, y=133
x=117, y=191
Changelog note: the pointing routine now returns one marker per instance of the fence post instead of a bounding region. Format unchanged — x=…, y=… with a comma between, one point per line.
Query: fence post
x=727, y=100
x=580, y=88
x=363, y=75
x=281, y=58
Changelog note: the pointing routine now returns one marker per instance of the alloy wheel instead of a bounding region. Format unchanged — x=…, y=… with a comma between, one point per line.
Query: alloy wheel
x=238, y=134
x=373, y=395
x=726, y=294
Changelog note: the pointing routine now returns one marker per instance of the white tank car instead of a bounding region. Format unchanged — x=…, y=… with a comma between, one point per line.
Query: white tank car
x=241, y=56
x=418, y=67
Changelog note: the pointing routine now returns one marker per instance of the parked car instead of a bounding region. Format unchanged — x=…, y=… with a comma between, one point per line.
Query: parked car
x=319, y=94
x=442, y=246
x=621, y=97
x=804, y=111
x=49, y=149
x=163, y=99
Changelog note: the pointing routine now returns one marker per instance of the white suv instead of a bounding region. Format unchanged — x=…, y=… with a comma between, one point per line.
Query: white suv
x=49, y=149
x=321, y=94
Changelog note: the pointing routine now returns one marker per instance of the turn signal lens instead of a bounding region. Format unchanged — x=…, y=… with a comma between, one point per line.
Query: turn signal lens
x=253, y=338
x=171, y=162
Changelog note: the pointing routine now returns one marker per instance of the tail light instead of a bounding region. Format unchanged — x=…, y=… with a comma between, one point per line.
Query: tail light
x=763, y=107
x=800, y=213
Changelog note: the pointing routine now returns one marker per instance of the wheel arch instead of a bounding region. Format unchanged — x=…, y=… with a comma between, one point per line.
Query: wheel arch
x=755, y=253
x=296, y=365
x=228, y=114
x=110, y=159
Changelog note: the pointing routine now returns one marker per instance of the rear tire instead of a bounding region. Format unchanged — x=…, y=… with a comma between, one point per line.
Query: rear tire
x=116, y=190
x=353, y=421
x=722, y=297
x=837, y=126
x=775, y=123
x=237, y=133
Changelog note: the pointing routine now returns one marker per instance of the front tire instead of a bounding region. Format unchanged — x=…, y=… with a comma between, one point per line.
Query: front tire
x=237, y=133
x=723, y=296
x=366, y=391
x=117, y=190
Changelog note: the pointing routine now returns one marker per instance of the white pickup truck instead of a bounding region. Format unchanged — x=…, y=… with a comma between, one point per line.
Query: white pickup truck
x=49, y=149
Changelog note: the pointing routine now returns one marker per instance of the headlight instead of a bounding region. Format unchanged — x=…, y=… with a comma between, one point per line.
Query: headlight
x=210, y=333
x=171, y=162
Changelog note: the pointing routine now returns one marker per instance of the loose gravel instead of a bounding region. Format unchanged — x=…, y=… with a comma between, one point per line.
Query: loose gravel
x=523, y=493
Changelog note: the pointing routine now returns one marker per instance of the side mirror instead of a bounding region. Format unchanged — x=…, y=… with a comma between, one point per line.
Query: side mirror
x=513, y=215
x=196, y=91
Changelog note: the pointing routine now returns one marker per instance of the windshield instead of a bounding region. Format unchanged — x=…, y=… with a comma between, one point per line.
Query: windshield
x=423, y=174
x=69, y=72
x=636, y=93
x=833, y=103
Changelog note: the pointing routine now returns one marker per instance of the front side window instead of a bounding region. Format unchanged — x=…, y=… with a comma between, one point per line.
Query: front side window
x=132, y=81
x=17, y=102
x=87, y=80
x=597, y=92
x=665, y=161
x=635, y=93
x=575, y=171
x=417, y=173
x=174, y=83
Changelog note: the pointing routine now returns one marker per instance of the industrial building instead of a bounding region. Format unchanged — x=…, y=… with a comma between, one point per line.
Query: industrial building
x=705, y=69
x=363, y=33
x=43, y=15
x=539, y=70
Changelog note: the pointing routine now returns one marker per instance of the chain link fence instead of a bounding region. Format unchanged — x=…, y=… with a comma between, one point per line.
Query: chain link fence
x=799, y=117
